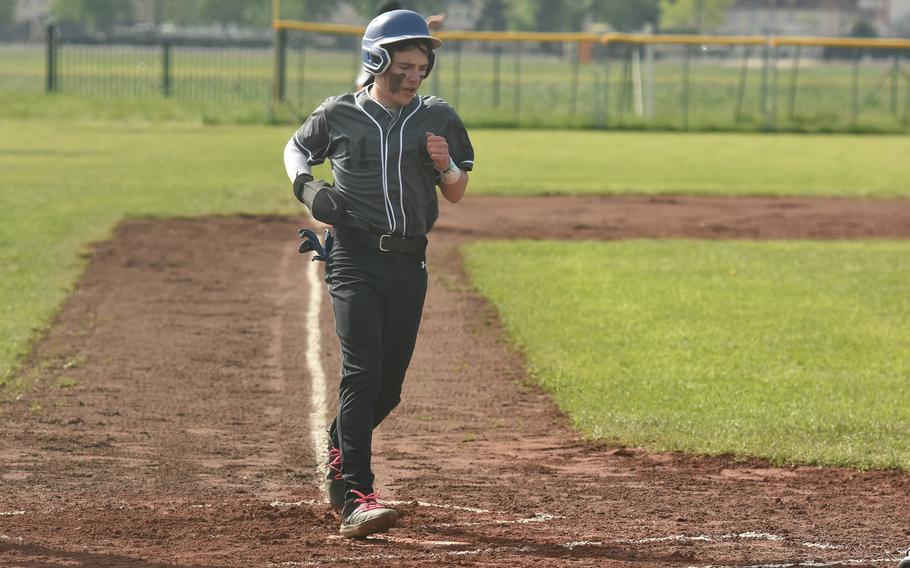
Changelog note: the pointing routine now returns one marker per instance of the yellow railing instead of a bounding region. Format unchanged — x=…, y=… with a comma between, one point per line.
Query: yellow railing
x=614, y=37
x=630, y=94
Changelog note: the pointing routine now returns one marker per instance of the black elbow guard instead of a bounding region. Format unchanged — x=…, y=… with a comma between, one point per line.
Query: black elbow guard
x=325, y=203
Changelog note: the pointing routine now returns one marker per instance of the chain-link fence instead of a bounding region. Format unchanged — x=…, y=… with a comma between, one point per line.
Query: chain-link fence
x=625, y=81
x=193, y=68
x=508, y=79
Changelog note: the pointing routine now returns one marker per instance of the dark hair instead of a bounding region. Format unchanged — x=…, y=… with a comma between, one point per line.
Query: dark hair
x=423, y=45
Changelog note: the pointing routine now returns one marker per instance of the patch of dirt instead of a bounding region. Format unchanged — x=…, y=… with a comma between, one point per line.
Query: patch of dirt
x=169, y=422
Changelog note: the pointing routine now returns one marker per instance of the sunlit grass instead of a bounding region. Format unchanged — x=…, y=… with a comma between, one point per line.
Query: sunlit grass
x=798, y=352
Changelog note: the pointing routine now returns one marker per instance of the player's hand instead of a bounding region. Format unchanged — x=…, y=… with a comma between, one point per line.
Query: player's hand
x=438, y=149
x=434, y=22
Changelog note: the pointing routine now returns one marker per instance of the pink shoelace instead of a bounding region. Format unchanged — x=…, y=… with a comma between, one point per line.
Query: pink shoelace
x=335, y=463
x=367, y=502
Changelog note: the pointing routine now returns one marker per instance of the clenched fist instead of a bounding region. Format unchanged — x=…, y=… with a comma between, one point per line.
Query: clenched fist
x=438, y=149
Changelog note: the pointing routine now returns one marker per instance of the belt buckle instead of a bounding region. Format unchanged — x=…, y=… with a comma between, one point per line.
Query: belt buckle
x=381, y=237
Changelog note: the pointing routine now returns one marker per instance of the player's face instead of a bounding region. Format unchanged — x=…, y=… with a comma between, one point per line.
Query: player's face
x=401, y=80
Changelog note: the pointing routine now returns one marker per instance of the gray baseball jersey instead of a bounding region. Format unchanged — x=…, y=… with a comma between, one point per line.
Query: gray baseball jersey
x=380, y=160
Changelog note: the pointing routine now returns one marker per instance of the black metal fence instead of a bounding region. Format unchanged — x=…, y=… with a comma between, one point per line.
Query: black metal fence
x=209, y=69
x=622, y=81
x=573, y=80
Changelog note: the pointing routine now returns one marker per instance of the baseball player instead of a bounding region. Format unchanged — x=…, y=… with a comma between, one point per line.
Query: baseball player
x=390, y=149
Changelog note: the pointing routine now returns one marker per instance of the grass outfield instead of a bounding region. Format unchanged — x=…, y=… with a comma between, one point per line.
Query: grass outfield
x=541, y=161
x=67, y=182
x=799, y=352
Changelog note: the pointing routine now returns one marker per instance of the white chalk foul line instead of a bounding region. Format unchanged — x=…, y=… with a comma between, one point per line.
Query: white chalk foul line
x=419, y=541
x=340, y=560
x=385, y=502
x=537, y=518
x=809, y=563
x=821, y=545
x=11, y=513
x=438, y=506
x=748, y=535
x=704, y=538
x=314, y=366
x=312, y=502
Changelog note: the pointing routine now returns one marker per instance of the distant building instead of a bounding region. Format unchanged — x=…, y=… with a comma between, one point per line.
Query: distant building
x=899, y=17
x=32, y=10
x=898, y=10
x=459, y=15
x=32, y=17
x=801, y=17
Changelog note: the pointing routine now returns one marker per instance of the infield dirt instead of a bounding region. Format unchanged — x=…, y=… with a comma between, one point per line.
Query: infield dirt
x=168, y=421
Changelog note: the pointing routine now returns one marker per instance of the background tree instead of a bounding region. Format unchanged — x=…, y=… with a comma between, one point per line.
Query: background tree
x=237, y=12
x=626, y=16
x=493, y=15
x=860, y=29
x=7, y=11
x=864, y=29
x=369, y=8
x=312, y=10
x=94, y=14
x=697, y=16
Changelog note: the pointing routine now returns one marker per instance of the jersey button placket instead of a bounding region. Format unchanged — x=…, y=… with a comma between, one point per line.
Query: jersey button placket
x=392, y=175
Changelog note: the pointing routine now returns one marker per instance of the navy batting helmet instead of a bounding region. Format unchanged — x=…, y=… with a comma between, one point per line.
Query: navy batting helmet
x=392, y=27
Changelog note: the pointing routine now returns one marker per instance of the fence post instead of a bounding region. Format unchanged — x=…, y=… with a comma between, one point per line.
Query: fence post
x=281, y=38
x=496, y=63
x=766, y=69
x=685, y=91
x=576, y=64
x=166, y=69
x=457, y=74
x=606, y=89
x=907, y=102
x=51, y=58
x=895, y=74
x=300, y=91
x=741, y=86
x=516, y=93
x=649, y=73
x=622, y=97
x=794, y=77
x=854, y=98
x=774, y=86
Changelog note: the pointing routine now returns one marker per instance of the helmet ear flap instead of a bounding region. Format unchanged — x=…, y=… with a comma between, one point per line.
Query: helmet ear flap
x=376, y=59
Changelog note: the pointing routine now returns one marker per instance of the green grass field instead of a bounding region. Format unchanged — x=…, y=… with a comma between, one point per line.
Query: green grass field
x=798, y=352
x=69, y=179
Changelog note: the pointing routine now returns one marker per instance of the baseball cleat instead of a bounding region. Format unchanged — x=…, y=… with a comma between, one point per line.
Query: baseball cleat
x=365, y=516
x=334, y=481
x=905, y=563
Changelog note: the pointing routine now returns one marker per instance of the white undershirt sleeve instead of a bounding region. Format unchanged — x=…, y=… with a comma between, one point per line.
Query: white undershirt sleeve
x=295, y=161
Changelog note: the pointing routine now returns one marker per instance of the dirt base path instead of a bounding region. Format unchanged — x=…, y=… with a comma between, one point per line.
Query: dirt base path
x=171, y=422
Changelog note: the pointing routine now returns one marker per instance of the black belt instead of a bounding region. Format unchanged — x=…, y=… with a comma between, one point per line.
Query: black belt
x=382, y=243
